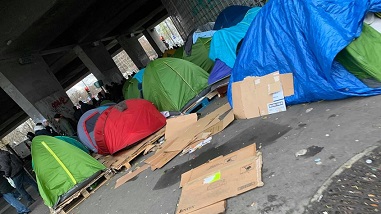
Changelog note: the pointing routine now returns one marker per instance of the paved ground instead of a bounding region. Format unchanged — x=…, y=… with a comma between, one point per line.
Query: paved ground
x=342, y=128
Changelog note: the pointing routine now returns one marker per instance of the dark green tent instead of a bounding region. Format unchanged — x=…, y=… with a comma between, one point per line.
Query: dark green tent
x=200, y=54
x=59, y=166
x=125, y=87
x=178, y=53
x=362, y=57
x=73, y=141
x=132, y=91
x=170, y=83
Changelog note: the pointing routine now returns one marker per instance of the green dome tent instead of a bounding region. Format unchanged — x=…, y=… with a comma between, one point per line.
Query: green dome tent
x=132, y=91
x=73, y=141
x=178, y=53
x=60, y=166
x=362, y=56
x=125, y=87
x=200, y=54
x=170, y=83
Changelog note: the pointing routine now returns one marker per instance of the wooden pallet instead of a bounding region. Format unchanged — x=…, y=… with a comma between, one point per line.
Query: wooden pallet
x=124, y=157
x=78, y=197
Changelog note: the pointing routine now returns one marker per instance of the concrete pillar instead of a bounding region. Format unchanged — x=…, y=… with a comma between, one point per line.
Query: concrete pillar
x=154, y=39
x=134, y=50
x=90, y=64
x=34, y=88
x=98, y=60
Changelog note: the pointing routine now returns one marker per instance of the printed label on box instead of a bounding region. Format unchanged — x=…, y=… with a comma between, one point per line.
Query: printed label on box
x=278, y=96
x=276, y=107
x=213, y=178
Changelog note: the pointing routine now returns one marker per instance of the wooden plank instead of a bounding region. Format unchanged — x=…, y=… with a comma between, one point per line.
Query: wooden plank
x=124, y=157
x=211, y=95
x=131, y=175
x=78, y=197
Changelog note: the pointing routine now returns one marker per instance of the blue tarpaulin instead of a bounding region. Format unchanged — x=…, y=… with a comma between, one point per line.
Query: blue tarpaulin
x=139, y=75
x=230, y=16
x=220, y=70
x=303, y=38
x=224, y=42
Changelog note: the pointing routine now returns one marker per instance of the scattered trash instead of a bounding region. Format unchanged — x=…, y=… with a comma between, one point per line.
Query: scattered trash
x=320, y=197
x=357, y=140
x=309, y=110
x=328, y=109
x=301, y=152
x=203, y=143
x=253, y=204
x=368, y=161
x=327, y=135
x=309, y=152
x=166, y=114
x=318, y=161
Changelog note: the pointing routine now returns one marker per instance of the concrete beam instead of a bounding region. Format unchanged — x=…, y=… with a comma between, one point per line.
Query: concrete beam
x=19, y=98
x=141, y=22
x=98, y=60
x=34, y=88
x=59, y=64
x=72, y=74
x=52, y=21
x=57, y=50
x=108, y=25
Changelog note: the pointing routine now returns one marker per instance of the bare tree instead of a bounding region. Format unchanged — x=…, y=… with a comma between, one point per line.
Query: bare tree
x=19, y=134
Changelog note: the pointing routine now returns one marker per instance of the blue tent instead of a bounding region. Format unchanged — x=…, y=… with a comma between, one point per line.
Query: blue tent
x=86, y=125
x=219, y=71
x=303, y=38
x=139, y=75
x=224, y=42
x=230, y=16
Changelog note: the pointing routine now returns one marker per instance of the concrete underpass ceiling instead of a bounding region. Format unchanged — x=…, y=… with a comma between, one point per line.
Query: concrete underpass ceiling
x=53, y=27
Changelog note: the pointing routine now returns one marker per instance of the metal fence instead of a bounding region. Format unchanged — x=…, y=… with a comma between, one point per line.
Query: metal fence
x=188, y=14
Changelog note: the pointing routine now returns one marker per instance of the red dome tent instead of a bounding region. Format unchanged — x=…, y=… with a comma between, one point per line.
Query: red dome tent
x=126, y=123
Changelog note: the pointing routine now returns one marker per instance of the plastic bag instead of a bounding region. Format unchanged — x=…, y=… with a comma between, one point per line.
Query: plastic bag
x=11, y=182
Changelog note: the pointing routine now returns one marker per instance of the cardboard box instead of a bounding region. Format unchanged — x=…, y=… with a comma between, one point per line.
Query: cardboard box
x=224, y=182
x=179, y=139
x=259, y=96
x=217, y=208
x=220, y=161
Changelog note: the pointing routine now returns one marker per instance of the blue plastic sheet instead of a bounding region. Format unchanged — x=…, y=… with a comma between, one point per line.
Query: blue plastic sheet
x=224, y=42
x=139, y=75
x=303, y=38
x=205, y=34
x=219, y=71
x=230, y=16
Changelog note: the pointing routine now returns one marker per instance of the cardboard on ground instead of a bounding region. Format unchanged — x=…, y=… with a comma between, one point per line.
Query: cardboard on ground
x=179, y=140
x=225, y=182
x=217, y=208
x=220, y=161
x=129, y=176
x=259, y=96
x=210, y=123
